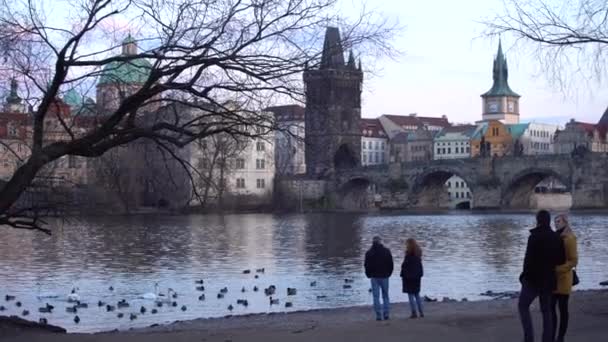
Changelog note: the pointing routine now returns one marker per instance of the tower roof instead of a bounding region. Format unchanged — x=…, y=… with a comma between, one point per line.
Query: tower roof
x=604, y=119
x=135, y=71
x=500, y=74
x=333, y=54
x=13, y=97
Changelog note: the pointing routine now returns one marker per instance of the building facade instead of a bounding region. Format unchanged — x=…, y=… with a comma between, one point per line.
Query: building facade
x=500, y=102
x=453, y=142
x=537, y=138
x=333, y=110
x=374, y=143
x=491, y=139
x=289, y=139
x=576, y=135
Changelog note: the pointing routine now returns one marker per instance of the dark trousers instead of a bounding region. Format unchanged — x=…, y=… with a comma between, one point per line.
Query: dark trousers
x=561, y=301
x=526, y=297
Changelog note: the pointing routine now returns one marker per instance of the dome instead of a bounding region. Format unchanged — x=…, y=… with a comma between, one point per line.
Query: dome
x=72, y=98
x=135, y=71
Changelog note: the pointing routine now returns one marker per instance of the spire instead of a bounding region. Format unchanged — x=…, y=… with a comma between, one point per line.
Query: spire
x=13, y=97
x=604, y=119
x=351, y=60
x=500, y=75
x=333, y=55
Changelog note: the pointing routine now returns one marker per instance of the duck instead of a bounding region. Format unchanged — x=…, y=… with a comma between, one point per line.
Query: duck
x=174, y=304
x=18, y=304
x=220, y=295
x=291, y=291
x=159, y=304
x=256, y=276
x=200, y=281
x=80, y=305
x=224, y=290
x=120, y=315
x=43, y=321
x=255, y=289
x=200, y=288
x=270, y=290
x=132, y=316
x=246, y=271
x=122, y=304
x=165, y=298
x=243, y=289
x=273, y=301
x=321, y=297
x=260, y=270
x=110, y=308
x=242, y=302
x=73, y=295
x=100, y=303
x=154, y=311
x=76, y=319
x=25, y=312
x=9, y=298
x=2, y=308
x=111, y=288
x=184, y=308
x=174, y=295
x=230, y=307
x=346, y=286
x=142, y=310
x=71, y=309
x=288, y=304
x=201, y=297
x=46, y=309
x=313, y=283
x=348, y=281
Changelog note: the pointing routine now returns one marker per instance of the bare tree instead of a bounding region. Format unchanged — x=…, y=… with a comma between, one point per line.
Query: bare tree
x=191, y=51
x=569, y=37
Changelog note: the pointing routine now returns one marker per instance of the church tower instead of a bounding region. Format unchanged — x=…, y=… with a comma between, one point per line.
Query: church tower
x=500, y=102
x=333, y=110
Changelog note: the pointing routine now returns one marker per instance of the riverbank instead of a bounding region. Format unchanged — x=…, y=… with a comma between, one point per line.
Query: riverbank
x=492, y=320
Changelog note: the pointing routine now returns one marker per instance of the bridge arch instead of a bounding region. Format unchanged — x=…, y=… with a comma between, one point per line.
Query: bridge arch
x=517, y=191
x=429, y=188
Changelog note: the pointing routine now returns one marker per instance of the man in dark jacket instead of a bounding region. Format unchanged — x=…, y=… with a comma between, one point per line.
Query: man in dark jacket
x=544, y=252
x=378, y=268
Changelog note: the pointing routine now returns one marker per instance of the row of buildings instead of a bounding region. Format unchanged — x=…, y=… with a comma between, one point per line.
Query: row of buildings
x=326, y=134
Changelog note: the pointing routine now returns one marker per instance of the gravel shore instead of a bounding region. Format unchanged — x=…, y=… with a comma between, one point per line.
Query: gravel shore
x=491, y=320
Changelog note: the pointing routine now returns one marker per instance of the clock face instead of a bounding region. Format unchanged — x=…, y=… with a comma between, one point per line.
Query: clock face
x=493, y=107
x=511, y=106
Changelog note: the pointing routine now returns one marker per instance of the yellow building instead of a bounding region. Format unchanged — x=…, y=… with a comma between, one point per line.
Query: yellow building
x=491, y=138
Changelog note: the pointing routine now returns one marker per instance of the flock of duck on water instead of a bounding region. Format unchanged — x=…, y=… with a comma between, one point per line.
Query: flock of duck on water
x=159, y=298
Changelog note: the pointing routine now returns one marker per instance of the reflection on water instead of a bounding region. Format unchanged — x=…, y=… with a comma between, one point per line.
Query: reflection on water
x=464, y=255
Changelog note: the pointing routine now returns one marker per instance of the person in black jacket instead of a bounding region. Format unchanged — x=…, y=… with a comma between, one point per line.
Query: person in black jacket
x=378, y=268
x=544, y=252
x=411, y=275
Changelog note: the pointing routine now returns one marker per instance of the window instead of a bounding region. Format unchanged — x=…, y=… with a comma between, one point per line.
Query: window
x=462, y=195
x=240, y=183
x=240, y=163
x=382, y=158
x=457, y=193
x=438, y=151
x=462, y=184
x=457, y=184
x=260, y=164
x=260, y=183
x=260, y=146
x=449, y=195
x=468, y=149
x=449, y=184
x=468, y=194
x=449, y=150
x=382, y=145
x=377, y=157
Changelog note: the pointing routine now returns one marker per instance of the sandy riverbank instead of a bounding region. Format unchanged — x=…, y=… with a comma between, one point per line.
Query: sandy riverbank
x=492, y=320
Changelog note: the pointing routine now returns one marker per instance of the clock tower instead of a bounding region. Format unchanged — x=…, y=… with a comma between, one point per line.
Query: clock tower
x=500, y=102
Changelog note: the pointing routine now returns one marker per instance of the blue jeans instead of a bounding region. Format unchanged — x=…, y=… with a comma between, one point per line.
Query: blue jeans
x=377, y=285
x=415, y=302
x=526, y=297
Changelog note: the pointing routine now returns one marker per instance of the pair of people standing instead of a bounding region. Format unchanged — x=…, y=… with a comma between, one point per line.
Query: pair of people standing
x=379, y=267
x=548, y=274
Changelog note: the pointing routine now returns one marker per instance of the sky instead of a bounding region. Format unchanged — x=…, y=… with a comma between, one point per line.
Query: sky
x=445, y=65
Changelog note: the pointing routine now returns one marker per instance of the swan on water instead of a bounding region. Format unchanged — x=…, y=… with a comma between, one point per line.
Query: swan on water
x=73, y=296
x=151, y=295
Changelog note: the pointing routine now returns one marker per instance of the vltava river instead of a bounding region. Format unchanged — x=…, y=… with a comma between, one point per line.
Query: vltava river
x=464, y=255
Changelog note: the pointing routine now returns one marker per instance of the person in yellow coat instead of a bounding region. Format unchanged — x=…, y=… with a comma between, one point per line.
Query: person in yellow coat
x=565, y=275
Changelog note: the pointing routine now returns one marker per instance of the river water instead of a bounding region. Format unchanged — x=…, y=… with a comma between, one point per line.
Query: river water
x=464, y=255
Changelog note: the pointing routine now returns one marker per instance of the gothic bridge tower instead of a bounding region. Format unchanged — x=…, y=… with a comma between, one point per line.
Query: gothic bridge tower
x=333, y=110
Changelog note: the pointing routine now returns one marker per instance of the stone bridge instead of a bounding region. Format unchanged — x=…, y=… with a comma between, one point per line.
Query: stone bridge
x=505, y=182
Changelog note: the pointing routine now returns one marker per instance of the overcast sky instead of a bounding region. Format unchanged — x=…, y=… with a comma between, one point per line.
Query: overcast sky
x=445, y=67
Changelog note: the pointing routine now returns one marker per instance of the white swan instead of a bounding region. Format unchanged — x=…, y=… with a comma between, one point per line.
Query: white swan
x=150, y=295
x=73, y=296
